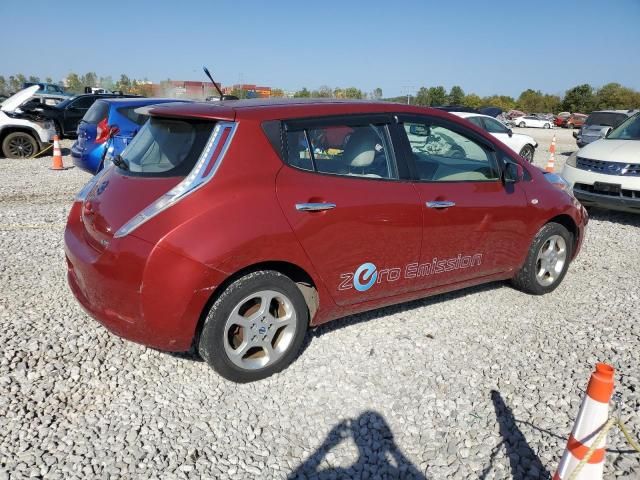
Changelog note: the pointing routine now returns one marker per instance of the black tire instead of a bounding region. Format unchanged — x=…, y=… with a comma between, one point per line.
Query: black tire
x=527, y=153
x=546, y=125
x=522, y=124
x=211, y=343
x=526, y=279
x=18, y=145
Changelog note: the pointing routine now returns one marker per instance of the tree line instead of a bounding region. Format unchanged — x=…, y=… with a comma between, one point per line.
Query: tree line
x=581, y=98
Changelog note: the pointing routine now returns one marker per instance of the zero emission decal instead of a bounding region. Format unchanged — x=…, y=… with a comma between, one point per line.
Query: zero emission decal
x=367, y=274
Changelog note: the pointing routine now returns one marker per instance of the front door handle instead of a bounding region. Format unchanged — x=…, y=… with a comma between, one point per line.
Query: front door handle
x=314, y=207
x=441, y=204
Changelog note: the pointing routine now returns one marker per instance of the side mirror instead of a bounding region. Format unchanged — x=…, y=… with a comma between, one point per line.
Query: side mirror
x=510, y=133
x=513, y=172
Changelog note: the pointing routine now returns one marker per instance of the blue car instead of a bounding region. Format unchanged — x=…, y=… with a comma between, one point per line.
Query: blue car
x=88, y=151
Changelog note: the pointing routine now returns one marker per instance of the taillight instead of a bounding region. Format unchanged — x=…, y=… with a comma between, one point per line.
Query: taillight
x=102, y=131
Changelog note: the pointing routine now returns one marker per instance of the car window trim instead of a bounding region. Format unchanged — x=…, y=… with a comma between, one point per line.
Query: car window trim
x=387, y=120
x=461, y=130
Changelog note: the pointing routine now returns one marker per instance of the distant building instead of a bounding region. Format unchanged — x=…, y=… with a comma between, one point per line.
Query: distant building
x=185, y=88
x=253, y=91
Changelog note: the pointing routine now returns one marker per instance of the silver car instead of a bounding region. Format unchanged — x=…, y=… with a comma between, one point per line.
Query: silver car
x=599, y=123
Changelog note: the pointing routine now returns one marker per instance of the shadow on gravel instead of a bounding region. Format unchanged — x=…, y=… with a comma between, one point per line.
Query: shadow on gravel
x=603, y=215
x=378, y=454
x=393, y=309
x=523, y=460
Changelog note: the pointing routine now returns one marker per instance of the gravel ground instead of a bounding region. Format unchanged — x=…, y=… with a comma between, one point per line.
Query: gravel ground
x=482, y=383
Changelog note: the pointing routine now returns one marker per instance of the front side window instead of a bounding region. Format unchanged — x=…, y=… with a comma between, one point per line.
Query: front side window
x=83, y=103
x=494, y=126
x=165, y=147
x=443, y=155
x=350, y=150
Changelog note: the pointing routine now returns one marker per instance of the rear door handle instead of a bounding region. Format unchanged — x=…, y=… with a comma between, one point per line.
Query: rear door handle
x=441, y=204
x=314, y=207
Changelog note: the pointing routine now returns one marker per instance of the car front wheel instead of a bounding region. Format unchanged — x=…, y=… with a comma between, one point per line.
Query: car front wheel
x=19, y=145
x=547, y=261
x=527, y=153
x=255, y=327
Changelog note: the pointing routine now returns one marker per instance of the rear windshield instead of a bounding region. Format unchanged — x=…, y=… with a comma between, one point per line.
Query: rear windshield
x=165, y=148
x=607, y=119
x=130, y=113
x=97, y=112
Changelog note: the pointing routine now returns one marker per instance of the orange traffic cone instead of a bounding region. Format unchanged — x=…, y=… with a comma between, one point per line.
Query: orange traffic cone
x=552, y=156
x=57, y=155
x=592, y=417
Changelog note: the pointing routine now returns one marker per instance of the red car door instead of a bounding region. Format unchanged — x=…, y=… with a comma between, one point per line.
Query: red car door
x=342, y=195
x=474, y=224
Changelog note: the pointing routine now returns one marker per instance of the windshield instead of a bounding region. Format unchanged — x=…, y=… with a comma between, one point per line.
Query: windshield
x=629, y=130
x=165, y=147
x=606, y=119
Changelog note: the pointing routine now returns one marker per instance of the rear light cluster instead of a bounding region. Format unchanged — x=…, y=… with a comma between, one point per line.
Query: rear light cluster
x=102, y=131
x=204, y=170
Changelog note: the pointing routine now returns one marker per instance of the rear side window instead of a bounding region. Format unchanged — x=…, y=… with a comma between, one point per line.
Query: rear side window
x=340, y=149
x=166, y=147
x=130, y=113
x=98, y=112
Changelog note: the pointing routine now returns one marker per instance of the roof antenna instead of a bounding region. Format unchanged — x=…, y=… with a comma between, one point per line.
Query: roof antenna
x=222, y=95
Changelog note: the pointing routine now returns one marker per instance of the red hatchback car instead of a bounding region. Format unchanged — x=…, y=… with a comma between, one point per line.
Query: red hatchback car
x=233, y=227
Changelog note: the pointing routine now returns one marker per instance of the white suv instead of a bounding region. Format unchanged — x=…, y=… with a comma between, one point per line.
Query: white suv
x=606, y=173
x=23, y=133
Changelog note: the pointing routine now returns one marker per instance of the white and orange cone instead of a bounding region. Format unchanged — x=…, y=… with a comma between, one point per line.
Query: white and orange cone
x=592, y=417
x=57, y=155
x=551, y=164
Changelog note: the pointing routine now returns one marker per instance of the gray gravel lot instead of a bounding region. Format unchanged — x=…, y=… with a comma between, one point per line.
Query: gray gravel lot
x=482, y=383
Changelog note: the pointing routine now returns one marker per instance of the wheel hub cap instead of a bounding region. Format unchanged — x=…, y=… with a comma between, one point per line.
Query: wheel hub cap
x=551, y=260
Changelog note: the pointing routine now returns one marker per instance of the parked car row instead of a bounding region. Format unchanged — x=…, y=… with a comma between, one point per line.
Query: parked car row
x=599, y=124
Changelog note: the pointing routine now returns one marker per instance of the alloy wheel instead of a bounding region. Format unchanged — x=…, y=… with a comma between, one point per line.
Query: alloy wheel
x=260, y=329
x=551, y=259
x=20, y=147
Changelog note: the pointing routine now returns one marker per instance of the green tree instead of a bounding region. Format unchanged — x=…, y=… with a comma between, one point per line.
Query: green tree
x=376, y=94
x=422, y=97
x=579, y=99
x=107, y=82
x=48, y=80
x=323, y=92
x=304, y=93
x=89, y=79
x=74, y=84
x=615, y=96
x=472, y=101
x=124, y=83
x=33, y=79
x=277, y=93
x=3, y=85
x=437, y=96
x=352, y=92
x=456, y=96
x=504, y=102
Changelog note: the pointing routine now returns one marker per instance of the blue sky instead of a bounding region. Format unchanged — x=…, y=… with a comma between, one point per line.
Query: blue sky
x=486, y=47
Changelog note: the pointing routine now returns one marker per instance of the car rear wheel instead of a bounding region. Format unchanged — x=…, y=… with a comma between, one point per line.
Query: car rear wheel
x=522, y=124
x=19, y=145
x=527, y=153
x=547, y=261
x=546, y=125
x=255, y=327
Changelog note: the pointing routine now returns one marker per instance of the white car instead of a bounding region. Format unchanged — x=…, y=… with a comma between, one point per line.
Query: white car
x=518, y=142
x=606, y=173
x=531, y=121
x=23, y=133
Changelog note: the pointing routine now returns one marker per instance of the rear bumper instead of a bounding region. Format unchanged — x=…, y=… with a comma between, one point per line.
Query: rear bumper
x=88, y=158
x=139, y=291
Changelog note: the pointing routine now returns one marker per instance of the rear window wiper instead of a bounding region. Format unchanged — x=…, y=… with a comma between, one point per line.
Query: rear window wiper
x=120, y=162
